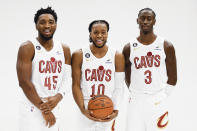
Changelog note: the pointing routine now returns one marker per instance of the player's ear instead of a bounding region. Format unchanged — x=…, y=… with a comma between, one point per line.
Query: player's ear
x=154, y=21
x=36, y=26
x=137, y=21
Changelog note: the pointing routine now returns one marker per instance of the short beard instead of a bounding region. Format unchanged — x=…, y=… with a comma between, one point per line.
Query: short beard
x=99, y=46
x=45, y=38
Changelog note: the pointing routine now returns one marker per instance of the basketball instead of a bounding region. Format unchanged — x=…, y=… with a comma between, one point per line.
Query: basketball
x=100, y=106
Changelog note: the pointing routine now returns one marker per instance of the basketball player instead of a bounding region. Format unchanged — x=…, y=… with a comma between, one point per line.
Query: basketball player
x=97, y=69
x=43, y=68
x=151, y=74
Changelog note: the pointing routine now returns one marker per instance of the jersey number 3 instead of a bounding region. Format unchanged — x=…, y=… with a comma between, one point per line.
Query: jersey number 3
x=148, y=78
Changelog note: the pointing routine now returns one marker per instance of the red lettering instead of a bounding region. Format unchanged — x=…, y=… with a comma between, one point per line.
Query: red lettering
x=136, y=59
x=108, y=75
x=100, y=74
x=41, y=64
x=48, y=67
x=143, y=62
x=54, y=66
x=94, y=76
x=157, y=61
x=149, y=60
x=87, y=71
x=59, y=66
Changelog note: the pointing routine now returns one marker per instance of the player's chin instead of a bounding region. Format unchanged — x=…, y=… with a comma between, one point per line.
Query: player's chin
x=100, y=45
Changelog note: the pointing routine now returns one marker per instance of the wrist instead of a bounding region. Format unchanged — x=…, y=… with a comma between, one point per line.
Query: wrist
x=59, y=96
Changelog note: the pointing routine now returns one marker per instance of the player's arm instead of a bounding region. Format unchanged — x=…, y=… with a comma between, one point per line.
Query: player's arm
x=170, y=63
x=126, y=53
x=77, y=58
x=171, y=74
x=65, y=85
x=24, y=72
x=171, y=67
x=118, y=85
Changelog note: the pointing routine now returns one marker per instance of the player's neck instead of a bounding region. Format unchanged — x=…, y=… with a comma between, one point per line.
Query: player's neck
x=146, y=39
x=47, y=44
x=98, y=52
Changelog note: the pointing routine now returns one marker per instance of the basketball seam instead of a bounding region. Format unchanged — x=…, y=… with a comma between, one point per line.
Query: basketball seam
x=101, y=108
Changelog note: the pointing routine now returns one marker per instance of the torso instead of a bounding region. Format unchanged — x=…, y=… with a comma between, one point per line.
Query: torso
x=148, y=68
x=47, y=68
x=97, y=73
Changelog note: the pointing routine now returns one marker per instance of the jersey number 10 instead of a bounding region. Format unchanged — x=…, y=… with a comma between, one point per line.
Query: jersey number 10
x=101, y=90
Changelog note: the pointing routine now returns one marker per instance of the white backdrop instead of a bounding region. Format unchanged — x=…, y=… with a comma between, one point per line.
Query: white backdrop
x=176, y=21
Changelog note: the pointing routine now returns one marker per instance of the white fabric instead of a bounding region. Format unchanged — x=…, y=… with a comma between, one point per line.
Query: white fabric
x=66, y=80
x=97, y=77
x=47, y=68
x=31, y=119
x=143, y=114
x=148, y=73
x=93, y=80
x=162, y=94
x=118, y=90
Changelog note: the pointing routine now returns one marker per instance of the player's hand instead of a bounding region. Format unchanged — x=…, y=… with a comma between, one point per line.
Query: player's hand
x=87, y=114
x=49, y=119
x=45, y=108
x=52, y=101
x=110, y=117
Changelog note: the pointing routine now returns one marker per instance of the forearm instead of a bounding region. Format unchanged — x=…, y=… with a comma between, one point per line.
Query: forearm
x=78, y=97
x=31, y=94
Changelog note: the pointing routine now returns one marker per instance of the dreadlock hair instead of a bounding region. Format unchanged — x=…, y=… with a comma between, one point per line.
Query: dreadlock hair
x=41, y=11
x=149, y=9
x=97, y=22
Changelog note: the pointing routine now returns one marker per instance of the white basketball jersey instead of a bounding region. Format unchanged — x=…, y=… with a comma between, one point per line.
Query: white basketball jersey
x=97, y=74
x=47, y=68
x=148, y=68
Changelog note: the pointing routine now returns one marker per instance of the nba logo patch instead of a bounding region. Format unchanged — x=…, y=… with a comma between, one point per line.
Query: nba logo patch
x=38, y=47
x=87, y=55
x=134, y=44
x=32, y=109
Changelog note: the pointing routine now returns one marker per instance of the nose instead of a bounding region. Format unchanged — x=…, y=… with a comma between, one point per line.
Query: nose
x=99, y=35
x=145, y=22
x=47, y=25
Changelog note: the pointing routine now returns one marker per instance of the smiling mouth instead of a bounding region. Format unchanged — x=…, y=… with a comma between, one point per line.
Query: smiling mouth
x=47, y=32
x=99, y=41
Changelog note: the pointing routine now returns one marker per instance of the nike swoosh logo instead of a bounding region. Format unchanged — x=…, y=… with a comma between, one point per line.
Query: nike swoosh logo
x=160, y=121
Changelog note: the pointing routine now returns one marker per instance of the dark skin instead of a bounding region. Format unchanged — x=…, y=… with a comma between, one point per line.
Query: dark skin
x=46, y=26
x=146, y=21
x=99, y=37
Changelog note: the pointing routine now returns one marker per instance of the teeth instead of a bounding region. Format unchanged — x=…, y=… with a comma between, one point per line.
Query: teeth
x=47, y=31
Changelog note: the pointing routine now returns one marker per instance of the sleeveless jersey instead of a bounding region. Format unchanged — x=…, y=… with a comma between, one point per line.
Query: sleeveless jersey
x=148, y=68
x=47, y=68
x=97, y=74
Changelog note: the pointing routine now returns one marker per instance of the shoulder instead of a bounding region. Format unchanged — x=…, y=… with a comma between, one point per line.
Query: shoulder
x=126, y=50
x=26, y=50
x=77, y=57
x=66, y=49
x=119, y=55
x=168, y=47
x=77, y=54
x=27, y=47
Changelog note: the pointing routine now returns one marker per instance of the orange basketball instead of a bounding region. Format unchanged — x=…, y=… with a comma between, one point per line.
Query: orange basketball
x=100, y=106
